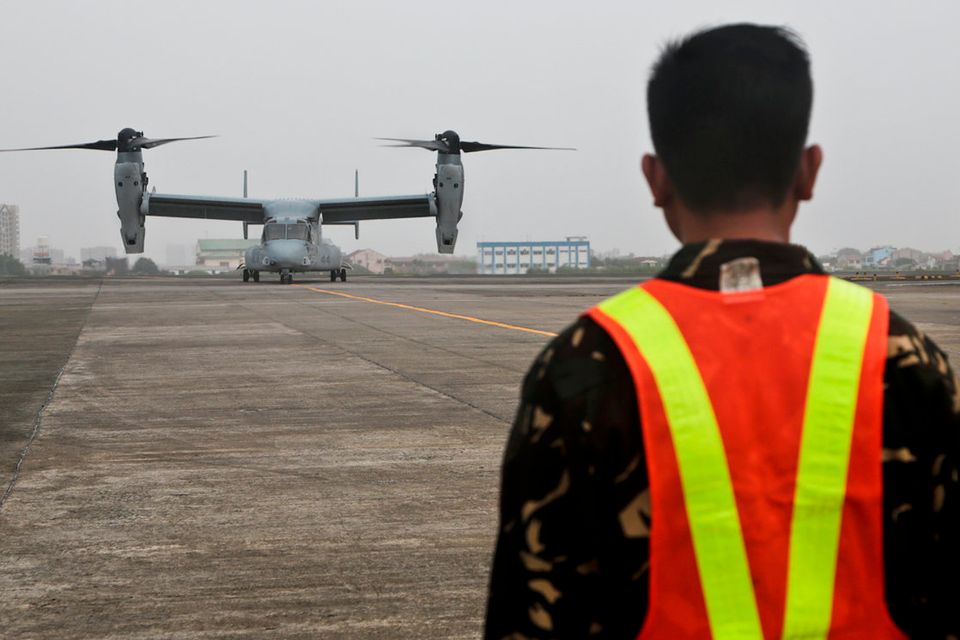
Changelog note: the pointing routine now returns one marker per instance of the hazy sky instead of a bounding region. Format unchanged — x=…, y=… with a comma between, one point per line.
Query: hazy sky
x=297, y=91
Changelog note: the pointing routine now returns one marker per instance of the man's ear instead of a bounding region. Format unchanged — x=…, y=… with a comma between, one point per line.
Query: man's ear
x=657, y=179
x=810, y=161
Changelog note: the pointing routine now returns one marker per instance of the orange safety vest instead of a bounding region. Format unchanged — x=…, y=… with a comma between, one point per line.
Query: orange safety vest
x=762, y=417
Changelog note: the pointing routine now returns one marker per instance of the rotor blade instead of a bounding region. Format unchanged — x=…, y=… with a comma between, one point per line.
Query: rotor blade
x=432, y=145
x=470, y=147
x=99, y=145
x=150, y=143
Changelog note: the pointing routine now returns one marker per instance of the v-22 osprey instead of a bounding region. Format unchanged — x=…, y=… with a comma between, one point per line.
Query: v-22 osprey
x=292, y=228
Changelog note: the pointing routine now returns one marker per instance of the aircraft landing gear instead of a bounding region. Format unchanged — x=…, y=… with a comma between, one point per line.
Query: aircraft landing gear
x=333, y=275
x=256, y=276
x=286, y=277
x=246, y=275
x=343, y=274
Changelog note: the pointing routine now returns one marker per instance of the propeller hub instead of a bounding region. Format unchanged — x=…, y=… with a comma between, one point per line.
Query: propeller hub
x=451, y=139
x=126, y=138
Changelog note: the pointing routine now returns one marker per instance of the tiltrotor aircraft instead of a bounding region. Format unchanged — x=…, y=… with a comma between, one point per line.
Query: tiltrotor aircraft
x=291, y=239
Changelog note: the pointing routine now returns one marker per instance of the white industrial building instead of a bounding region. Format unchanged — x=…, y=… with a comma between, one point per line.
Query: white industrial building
x=512, y=258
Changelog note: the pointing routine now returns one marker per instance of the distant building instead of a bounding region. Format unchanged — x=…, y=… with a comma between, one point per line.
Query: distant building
x=371, y=260
x=10, y=230
x=849, y=259
x=95, y=258
x=511, y=258
x=908, y=258
x=878, y=257
x=947, y=261
x=908, y=254
x=42, y=254
x=222, y=254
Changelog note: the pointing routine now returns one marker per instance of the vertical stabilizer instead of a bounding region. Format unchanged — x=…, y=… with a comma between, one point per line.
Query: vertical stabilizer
x=246, y=228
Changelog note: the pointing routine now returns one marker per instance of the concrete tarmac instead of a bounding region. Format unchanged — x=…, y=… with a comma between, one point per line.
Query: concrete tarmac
x=221, y=459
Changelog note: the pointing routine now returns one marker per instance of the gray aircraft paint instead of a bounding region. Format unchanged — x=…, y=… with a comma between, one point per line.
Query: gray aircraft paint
x=449, y=190
x=286, y=255
x=128, y=176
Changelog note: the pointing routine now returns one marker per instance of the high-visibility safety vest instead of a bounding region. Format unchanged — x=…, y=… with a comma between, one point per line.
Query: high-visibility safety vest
x=762, y=418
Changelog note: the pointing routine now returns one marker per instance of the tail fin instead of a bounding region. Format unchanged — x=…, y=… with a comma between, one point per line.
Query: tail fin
x=246, y=231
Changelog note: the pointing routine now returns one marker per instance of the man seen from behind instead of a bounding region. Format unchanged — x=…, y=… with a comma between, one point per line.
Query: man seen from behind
x=743, y=446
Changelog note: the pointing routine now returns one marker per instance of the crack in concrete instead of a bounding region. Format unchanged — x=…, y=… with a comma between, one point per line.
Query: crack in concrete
x=422, y=343
x=369, y=360
x=38, y=418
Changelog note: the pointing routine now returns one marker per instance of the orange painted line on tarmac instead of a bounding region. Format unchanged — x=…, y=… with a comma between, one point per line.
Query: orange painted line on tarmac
x=443, y=314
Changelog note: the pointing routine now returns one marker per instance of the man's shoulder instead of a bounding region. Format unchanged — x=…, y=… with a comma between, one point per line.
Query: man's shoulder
x=581, y=357
x=577, y=392
x=918, y=371
x=909, y=345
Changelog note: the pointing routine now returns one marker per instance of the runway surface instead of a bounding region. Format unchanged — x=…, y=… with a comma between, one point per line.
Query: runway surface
x=227, y=460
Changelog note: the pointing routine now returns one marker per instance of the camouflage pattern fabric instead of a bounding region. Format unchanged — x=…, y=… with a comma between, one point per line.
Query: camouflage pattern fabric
x=572, y=555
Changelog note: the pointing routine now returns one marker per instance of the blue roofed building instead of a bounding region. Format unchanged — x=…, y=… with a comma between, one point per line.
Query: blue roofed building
x=515, y=258
x=878, y=257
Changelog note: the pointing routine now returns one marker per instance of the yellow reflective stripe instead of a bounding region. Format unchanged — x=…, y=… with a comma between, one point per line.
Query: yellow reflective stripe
x=704, y=474
x=828, y=421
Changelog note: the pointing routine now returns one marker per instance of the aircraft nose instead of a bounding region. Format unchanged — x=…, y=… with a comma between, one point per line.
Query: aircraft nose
x=286, y=253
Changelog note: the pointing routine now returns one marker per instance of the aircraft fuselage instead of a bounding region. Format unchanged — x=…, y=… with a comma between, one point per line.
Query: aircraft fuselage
x=291, y=244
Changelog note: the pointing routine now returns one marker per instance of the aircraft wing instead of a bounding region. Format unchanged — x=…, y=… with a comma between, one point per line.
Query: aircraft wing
x=350, y=210
x=208, y=207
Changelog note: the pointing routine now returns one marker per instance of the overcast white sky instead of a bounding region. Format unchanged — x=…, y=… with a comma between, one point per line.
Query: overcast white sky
x=297, y=91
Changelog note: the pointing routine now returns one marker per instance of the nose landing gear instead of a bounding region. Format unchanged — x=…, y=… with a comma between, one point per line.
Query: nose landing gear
x=286, y=277
x=249, y=273
x=341, y=273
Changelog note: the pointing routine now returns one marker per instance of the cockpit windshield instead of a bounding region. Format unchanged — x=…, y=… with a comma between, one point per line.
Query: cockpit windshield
x=278, y=231
x=274, y=231
x=297, y=231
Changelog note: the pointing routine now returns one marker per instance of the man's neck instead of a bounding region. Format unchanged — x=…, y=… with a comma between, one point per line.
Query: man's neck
x=769, y=225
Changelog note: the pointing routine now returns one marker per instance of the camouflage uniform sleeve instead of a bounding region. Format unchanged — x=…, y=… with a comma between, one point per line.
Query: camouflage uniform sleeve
x=921, y=479
x=572, y=548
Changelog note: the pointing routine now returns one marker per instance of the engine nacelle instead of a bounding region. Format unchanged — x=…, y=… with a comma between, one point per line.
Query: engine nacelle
x=128, y=180
x=449, y=190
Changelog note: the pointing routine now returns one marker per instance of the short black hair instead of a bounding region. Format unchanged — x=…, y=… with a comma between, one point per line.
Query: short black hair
x=729, y=110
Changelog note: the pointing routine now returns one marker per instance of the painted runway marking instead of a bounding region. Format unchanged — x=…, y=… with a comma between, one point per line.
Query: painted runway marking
x=444, y=314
